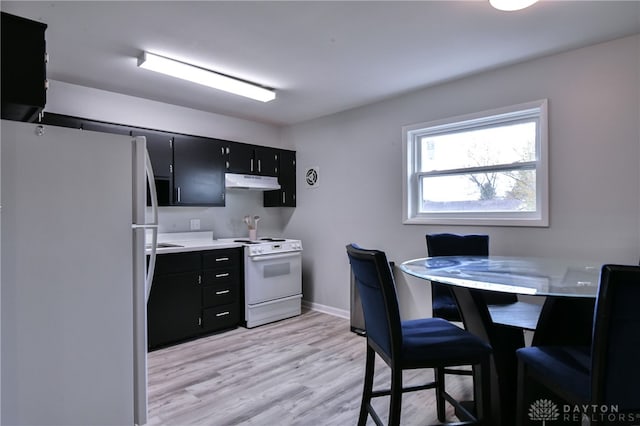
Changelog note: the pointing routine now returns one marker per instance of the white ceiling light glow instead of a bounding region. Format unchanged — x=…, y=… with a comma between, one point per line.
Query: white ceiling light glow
x=205, y=77
x=511, y=5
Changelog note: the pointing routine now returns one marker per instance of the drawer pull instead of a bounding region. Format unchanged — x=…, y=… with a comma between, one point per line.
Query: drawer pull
x=222, y=259
x=221, y=314
x=218, y=293
x=226, y=274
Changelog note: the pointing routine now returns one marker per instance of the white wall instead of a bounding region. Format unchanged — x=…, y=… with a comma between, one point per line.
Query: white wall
x=69, y=99
x=594, y=166
x=594, y=141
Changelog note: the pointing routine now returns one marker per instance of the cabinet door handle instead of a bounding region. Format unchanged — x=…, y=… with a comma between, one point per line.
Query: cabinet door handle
x=178, y=194
x=226, y=274
x=221, y=314
x=284, y=198
x=218, y=293
x=252, y=164
x=222, y=259
x=259, y=165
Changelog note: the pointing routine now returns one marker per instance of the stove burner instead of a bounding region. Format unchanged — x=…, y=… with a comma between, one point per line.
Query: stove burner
x=272, y=239
x=246, y=241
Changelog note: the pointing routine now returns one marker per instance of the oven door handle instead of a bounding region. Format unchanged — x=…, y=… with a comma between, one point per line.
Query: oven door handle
x=265, y=257
x=271, y=302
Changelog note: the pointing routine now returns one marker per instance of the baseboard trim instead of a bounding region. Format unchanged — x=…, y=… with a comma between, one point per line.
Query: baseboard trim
x=341, y=313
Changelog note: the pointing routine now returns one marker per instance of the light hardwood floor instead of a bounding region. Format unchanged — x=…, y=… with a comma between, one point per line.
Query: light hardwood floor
x=306, y=370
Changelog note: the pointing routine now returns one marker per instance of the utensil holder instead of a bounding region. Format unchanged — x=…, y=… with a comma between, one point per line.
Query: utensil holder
x=253, y=234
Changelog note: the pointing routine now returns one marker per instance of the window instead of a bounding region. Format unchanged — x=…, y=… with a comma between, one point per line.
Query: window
x=488, y=168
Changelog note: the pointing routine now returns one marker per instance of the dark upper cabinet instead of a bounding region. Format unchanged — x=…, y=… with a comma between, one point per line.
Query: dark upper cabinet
x=198, y=171
x=189, y=170
x=23, y=73
x=266, y=160
x=286, y=195
x=239, y=158
x=251, y=159
x=160, y=149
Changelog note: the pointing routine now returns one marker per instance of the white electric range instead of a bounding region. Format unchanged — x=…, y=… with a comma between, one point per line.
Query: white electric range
x=272, y=279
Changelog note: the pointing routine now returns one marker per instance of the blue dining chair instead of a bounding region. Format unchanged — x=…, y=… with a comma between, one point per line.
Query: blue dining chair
x=443, y=303
x=414, y=344
x=603, y=374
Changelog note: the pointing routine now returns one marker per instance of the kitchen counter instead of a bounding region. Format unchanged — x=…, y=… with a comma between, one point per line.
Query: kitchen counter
x=178, y=242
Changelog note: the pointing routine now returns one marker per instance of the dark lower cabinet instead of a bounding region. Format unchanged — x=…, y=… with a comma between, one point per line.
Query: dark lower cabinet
x=221, y=283
x=193, y=294
x=173, y=310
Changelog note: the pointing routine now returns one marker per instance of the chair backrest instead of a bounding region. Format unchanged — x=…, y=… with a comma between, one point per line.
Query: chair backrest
x=457, y=245
x=377, y=289
x=615, y=374
x=444, y=304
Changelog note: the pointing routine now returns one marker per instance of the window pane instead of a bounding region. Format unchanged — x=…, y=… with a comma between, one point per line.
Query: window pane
x=510, y=143
x=505, y=191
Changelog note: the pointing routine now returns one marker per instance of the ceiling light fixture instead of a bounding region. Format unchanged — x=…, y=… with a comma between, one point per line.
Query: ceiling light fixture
x=205, y=77
x=511, y=5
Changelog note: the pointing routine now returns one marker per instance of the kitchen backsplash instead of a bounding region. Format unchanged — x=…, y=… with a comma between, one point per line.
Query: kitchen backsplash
x=226, y=222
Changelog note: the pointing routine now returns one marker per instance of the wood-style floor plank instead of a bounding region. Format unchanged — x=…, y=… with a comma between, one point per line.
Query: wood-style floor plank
x=306, y=370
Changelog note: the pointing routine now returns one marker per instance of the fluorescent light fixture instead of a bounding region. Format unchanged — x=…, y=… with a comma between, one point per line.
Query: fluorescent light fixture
x=205, y=77
x=511, y=5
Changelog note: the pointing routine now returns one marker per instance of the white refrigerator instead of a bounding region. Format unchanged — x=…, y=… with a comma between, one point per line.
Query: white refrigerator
x=74, y=276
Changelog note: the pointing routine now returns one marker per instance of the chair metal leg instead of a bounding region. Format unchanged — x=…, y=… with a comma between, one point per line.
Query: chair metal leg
x=368, y=386
x=521, y=394
x=440, y=406
x=395, y=405
x=483, y=401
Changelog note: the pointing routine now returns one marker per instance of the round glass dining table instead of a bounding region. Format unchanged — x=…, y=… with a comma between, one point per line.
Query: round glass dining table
x=569, y=288
x=508, y=274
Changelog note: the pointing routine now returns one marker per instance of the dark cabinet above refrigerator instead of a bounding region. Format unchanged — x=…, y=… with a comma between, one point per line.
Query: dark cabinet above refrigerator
x=23, y=74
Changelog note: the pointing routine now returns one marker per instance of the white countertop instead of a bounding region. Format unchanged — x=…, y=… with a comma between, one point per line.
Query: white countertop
x=192, y=241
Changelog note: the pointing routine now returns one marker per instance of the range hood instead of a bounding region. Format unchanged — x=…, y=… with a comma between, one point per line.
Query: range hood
x=256, y=183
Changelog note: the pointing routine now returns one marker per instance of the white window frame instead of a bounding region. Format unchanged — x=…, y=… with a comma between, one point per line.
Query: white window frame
x=411, y=176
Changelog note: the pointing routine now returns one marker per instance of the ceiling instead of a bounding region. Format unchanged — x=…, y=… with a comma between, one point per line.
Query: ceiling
x=321, y=57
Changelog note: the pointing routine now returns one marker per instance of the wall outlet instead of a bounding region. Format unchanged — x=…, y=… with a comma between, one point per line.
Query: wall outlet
x=194, y=224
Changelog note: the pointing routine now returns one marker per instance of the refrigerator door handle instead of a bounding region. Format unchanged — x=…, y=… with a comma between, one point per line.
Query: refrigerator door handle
x=151, y=180
x=143, y=176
